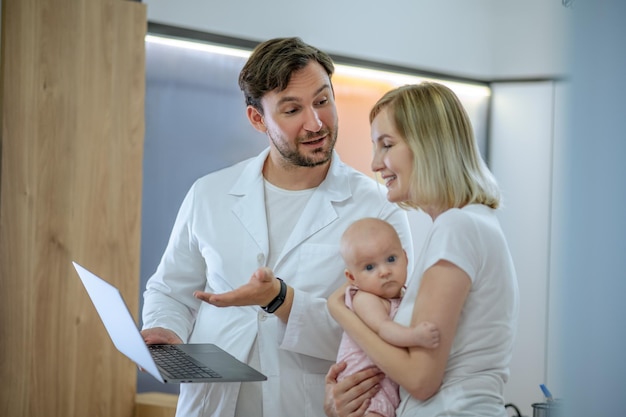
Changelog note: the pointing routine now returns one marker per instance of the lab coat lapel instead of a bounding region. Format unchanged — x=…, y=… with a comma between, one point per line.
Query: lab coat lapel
x=318, y=213
x=250, y=206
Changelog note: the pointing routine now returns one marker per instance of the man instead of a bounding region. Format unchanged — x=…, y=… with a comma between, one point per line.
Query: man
x=280, y=214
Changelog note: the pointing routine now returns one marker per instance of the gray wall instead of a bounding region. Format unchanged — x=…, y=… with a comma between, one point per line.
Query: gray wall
x=592, y=261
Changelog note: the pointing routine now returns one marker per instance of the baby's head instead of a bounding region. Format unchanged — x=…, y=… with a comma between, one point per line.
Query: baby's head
x=375, y=259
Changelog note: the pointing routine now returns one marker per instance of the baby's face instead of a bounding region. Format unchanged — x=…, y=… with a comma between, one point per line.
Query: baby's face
x=379, y=265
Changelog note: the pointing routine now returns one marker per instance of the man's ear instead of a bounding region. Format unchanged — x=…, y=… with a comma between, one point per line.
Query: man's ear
x=256, y=119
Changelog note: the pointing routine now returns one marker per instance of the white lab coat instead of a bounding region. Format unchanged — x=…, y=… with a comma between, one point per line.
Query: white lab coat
x=219, y=239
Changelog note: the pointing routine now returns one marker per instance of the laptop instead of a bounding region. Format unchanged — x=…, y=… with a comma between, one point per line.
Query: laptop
x=167, y=363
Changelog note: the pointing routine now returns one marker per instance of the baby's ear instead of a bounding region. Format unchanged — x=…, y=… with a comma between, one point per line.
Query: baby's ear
x=349, y=276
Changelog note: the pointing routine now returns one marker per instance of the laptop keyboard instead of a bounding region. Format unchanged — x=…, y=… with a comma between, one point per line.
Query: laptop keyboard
x=178, y=364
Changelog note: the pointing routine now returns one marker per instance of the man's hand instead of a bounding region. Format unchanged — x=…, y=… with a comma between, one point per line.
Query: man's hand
x=262, y=288
x=160, y=336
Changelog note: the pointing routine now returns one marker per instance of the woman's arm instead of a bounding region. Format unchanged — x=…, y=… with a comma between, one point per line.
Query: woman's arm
x=440, y=299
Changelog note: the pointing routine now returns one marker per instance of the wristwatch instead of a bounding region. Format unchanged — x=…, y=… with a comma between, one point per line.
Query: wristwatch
x=279, y=300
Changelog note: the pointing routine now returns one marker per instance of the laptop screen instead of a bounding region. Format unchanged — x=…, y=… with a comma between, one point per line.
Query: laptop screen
x=117, y=320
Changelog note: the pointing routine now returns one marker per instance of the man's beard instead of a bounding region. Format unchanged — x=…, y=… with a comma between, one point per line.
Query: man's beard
x=294, y=157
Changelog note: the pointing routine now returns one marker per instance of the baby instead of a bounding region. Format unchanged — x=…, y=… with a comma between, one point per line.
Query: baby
x=376, y=268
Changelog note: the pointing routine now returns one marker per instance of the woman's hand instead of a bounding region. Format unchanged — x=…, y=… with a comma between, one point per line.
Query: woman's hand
x=351, y=396
x=336, y=301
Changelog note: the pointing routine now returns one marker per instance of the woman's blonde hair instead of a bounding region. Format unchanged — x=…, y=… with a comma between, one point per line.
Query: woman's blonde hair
x=448, y=170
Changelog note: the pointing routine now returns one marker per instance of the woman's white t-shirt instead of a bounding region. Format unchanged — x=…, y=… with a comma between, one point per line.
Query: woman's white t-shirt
x=477, y=368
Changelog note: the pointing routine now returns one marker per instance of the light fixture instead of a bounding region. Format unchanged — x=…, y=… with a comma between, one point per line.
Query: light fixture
x=198, y=46
x=393, y=78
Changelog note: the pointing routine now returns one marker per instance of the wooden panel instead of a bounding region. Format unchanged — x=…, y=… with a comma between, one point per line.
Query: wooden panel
x=155, y=404
x=72, y=92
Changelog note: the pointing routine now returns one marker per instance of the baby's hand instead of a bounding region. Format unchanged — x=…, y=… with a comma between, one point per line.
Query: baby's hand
x=427, y=334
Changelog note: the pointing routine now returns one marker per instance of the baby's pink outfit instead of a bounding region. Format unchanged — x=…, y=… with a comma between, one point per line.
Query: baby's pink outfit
x=387, y=399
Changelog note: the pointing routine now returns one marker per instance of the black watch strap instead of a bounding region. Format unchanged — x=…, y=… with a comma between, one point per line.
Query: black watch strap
x=279, y=300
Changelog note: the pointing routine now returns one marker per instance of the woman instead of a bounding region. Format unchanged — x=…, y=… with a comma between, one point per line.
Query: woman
x=464, y=283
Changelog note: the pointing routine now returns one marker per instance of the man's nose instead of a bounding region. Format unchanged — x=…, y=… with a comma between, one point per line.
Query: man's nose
x=312, y=122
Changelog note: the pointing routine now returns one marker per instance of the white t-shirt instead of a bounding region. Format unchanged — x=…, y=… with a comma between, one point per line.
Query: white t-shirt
x=283, y=208
x=477, y=368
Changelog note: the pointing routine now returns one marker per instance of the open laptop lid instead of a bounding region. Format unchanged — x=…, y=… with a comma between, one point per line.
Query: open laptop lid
x=117, y=320
x=126, y=337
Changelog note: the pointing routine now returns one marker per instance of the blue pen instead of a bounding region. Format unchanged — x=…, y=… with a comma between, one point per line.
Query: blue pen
x=546, y=392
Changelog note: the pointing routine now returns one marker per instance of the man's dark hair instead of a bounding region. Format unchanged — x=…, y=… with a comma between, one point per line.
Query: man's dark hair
x=273, y=62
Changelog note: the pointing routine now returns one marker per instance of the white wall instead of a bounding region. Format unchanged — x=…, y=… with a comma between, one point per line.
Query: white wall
x=521, y=158
x=530, y=38
x=482, y=39
x=558, y=281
